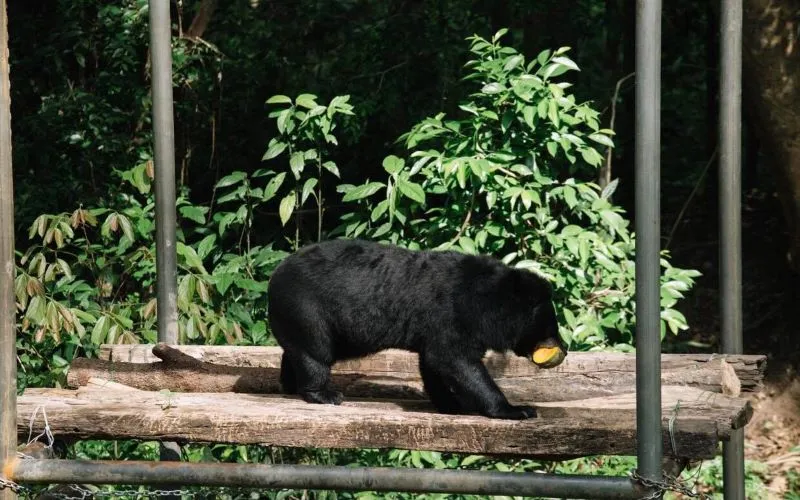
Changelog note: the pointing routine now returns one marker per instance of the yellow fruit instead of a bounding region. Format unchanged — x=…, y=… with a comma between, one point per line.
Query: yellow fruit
x=544, y=354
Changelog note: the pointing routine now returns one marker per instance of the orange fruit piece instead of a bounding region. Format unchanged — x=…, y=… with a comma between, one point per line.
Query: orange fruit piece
x=544, y=354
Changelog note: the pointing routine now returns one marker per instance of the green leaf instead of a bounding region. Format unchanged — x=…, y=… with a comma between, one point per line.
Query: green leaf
x=508, y=118
x=193, y=213
x=513, y=61
x=461, y=174
x=491, y=199
x=383, y=229
x=283, y=117
x=223, y=282
x=99, y=330
x=125, y=225
x=205, y=246
x=307, y=101
x=287, y=207
x=273, y=185
x=602, y=139
x=192, y=259
x=363, y=191
x=609, y=189
x=528, y=114
x=471, y=459
x=332, y=168
x=296, y=162
x=543, y=57
x=231, y=179
x=569, y=196
x=308, y=187
x=591, y=156
x=467, y=244
x=252, y=285
x=274, y=150
x=392, y=164
x=614, y=220
x=379, y=210
x=318, y=110
x=566, y=61
x=469, y=108
x=552, y=112
x=554, y=69
x=675, y=320
x=411, y=190
x=279, y=99
x=499, y=34
x=493, y=88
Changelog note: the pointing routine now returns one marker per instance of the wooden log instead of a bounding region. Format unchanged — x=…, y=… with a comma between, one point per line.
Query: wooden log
x=580, y=428
x=395, y=374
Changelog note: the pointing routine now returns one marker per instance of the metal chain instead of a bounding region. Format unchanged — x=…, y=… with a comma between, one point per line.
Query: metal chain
x=8, y=484
x=81, y=493
x=668, y=483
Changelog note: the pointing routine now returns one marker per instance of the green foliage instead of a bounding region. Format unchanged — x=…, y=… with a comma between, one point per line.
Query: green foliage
x=305, y=132
x=88, y=278
x=708, y=476
x=505, y=178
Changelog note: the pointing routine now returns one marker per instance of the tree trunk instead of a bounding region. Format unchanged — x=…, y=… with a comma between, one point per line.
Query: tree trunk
x=771, y=79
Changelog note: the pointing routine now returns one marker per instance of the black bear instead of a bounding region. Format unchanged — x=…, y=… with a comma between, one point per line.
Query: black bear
x=343, y=299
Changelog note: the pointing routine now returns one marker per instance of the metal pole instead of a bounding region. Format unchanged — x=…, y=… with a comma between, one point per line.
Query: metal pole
x=648, y=307
x=323, y=477
x=164, y=132
x=730, y=146
x=8, y=342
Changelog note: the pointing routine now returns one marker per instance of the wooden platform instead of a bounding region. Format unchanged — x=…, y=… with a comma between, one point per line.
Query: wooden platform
x=578, y=419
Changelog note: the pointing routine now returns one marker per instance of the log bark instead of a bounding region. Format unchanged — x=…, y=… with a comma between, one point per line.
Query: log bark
x=693, y=420
x=771, y=71
x=394, y=373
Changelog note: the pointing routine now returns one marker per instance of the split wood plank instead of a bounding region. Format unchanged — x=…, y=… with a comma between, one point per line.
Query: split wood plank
x=394, y=373
x=579, y=428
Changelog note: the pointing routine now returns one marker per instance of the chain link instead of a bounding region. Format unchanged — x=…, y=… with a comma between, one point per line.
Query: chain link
x=668, y=483
x=81, y=493
x=10, y=485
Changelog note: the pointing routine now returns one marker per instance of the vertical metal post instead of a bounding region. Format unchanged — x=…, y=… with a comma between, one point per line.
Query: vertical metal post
x=730, y=168
x=648, y=232
x=164, y=135
x=164, y=132
x=8, y=334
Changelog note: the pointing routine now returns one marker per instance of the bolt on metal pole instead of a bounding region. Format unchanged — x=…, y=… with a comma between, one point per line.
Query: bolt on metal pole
x=8, y=334
x=730, y=163
x=164, y=132
x=648, y=232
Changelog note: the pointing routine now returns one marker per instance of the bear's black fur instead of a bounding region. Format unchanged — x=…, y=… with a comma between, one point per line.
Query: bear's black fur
x=343, y=299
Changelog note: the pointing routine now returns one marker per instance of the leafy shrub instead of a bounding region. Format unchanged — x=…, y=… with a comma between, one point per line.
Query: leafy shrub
x=509, y=177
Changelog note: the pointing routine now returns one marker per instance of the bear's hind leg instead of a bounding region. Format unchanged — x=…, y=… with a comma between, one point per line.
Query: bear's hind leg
x=288, y=378
x=313, y=380
x=307, y=354
x=438, y=391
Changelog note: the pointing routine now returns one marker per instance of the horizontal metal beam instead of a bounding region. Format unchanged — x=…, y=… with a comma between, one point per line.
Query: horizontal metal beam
x=320, y=477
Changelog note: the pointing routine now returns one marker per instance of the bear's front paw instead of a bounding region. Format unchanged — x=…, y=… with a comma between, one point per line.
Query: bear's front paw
x=512, y=412
x=325, y=396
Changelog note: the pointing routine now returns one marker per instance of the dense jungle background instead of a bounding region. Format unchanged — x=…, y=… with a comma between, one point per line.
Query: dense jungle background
x=311, y=119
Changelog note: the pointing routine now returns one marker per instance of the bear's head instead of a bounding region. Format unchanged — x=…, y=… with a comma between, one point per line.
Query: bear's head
x=541, y=343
